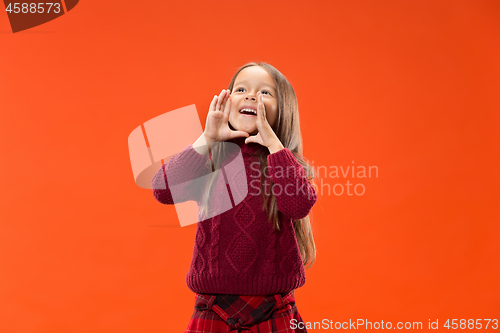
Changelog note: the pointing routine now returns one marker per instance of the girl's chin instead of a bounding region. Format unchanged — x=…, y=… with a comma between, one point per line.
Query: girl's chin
x=249, y=130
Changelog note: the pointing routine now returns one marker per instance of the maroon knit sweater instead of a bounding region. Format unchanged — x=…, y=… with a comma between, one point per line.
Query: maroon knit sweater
x=238, y=251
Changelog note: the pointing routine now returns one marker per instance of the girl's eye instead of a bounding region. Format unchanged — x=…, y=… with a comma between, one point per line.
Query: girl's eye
x=243, y=89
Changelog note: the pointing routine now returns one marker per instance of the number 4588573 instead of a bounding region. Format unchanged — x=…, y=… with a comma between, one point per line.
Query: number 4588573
x=34, y=8
x=471, y=324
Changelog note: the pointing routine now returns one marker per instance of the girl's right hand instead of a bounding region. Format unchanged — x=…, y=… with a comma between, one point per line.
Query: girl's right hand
x=217, y=125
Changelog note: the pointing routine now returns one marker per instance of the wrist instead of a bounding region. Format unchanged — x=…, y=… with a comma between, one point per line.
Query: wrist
x=202, y=145
x=207, y=139
x=275, y=147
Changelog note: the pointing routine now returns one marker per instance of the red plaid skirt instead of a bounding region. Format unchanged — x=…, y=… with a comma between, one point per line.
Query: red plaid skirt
x=255, y=314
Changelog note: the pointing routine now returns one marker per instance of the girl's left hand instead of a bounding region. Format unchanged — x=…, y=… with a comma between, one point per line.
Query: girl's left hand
x=265, y=136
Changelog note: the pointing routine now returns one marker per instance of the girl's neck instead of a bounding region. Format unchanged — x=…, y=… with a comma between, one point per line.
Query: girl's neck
x=247, y=149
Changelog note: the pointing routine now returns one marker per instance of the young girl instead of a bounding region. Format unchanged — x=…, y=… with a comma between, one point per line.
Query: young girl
x=247, y=260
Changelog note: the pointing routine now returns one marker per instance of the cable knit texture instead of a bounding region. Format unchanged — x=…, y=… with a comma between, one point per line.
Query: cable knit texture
x=238, y=251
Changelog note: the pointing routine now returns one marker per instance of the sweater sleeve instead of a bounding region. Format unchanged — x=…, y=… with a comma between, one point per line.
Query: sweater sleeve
x=173, y=183
x=295, y=196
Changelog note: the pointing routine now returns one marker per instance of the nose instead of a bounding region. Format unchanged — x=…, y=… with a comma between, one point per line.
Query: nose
x=250, y=97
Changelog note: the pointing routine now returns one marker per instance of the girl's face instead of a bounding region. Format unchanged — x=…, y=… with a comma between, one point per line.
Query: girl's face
x=248, y=83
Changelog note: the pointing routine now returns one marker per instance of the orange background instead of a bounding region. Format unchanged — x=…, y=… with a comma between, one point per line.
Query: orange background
x=408, y=86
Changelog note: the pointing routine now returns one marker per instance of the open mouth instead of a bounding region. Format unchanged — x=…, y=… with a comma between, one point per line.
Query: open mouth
x=248, y=111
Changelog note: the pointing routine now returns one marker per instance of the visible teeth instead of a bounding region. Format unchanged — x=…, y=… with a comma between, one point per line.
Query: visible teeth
x=249, y=110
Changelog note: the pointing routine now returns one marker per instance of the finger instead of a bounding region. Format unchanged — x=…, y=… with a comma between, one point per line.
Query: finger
x=263, y=106
x=258, y=107
x=227, y=107
x=212, y=104
x=238, y=134
x=219, y=102
x=250, y=139
x=224, y=100
x=254, y=138
x=261, y=117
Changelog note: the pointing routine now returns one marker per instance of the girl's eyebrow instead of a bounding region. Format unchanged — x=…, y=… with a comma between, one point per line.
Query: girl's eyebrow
x=264, y=84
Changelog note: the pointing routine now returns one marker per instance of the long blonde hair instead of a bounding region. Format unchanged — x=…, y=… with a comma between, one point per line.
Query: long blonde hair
x=287, y=129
